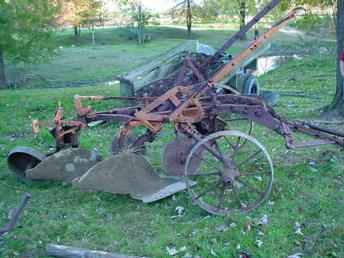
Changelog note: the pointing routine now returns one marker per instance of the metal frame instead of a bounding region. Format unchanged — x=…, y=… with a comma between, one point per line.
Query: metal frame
x=193, y=107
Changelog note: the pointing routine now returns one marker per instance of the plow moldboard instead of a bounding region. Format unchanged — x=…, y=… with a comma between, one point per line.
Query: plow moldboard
x=65, y=165
x=128, y=173
x=22, y=158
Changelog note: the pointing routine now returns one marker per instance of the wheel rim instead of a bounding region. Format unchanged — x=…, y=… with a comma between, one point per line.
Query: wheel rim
x=235, y=179
x=251, y=86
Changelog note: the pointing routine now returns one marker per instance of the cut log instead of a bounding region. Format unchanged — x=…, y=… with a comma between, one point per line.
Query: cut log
x=73, y=252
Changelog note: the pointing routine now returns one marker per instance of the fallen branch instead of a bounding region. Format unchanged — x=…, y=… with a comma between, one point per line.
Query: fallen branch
x=73, y=252
x=15, y=215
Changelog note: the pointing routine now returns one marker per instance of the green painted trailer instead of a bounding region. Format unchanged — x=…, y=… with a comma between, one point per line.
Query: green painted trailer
x=242, y=79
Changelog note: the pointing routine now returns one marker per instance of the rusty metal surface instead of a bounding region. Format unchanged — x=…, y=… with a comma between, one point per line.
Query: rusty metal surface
x=175, y=154
x=128, y=173
x=181, y=104
x=237, y=36
x=64, y=166
x=128, y=142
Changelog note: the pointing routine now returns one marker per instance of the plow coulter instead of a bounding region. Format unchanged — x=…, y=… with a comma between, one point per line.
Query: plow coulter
x=213, y=154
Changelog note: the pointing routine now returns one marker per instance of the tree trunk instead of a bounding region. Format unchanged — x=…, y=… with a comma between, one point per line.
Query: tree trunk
x=242, y=12
x=189, y=18
x=2, y=70
x=140, y=26
x=93, y=31
x=76, y=31
x=338, y=102
x=334, y=14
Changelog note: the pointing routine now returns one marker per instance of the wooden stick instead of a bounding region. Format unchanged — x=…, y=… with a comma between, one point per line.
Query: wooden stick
x=73, y=252
x=16, y=214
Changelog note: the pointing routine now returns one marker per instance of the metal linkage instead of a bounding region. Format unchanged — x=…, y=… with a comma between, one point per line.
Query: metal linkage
x=323, y=136
x=230, y=67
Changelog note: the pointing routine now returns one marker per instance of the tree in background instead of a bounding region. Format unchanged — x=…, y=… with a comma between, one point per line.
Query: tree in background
x=242, y=9
x=91, y=16
x=188, y=17
x=337, y=105
x=70, y=14
x=239, y=8
x=25, y=31
x=184, y=8
x=139, y=17
x=233, y=8
x=78, y=13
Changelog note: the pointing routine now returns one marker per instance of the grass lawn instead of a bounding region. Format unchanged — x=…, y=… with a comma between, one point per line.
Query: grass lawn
x=77, y=62
x=308, y=191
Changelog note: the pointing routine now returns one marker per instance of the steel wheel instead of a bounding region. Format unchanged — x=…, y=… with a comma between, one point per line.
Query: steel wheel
x=236, y=122
x=231, y=177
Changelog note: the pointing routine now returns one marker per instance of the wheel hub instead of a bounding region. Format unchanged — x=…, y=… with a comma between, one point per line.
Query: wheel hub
x=230, y=172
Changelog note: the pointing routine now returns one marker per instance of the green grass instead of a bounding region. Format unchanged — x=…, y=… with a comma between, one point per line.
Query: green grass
x=309, y=193
x=77, y=62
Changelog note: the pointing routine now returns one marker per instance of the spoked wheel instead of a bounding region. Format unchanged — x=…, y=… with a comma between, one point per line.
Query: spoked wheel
x=230, y=177
x=236, y=122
